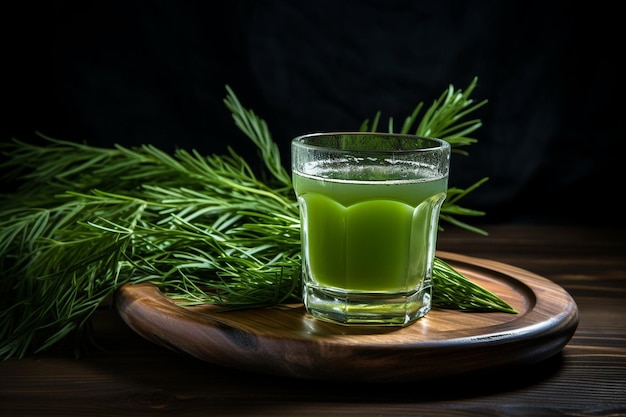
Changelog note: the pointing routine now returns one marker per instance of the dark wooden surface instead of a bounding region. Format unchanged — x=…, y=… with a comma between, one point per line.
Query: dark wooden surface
x=132, y=376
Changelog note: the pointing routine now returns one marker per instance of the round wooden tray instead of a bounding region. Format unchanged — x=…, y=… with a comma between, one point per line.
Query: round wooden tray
x=285, y=341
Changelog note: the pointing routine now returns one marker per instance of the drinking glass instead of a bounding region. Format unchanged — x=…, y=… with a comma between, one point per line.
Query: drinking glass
x=369, y=205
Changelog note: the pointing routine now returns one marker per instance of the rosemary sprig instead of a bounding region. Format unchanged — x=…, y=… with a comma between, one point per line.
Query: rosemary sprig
x=457, y=287
x=205, y=229
x=443, y=119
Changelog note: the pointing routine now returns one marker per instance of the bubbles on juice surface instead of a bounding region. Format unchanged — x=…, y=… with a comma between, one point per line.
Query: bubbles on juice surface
x=363, y=170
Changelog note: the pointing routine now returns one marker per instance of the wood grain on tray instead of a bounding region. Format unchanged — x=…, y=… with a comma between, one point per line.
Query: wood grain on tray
x=285, y=341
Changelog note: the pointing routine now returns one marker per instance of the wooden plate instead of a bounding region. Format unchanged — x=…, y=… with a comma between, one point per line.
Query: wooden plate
x=285, y=341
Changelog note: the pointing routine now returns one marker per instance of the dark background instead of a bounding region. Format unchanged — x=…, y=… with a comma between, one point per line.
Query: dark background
x=136, y=72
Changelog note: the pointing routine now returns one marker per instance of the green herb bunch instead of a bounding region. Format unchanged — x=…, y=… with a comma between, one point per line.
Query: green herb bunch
x=86, y=220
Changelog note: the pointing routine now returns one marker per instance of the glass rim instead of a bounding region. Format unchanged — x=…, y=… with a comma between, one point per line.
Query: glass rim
x=437, y=144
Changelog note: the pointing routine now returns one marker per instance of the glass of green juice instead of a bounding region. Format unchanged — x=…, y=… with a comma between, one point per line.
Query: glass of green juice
x=369, y=205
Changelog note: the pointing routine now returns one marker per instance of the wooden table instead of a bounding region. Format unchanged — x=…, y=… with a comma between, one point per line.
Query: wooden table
x=133, y=376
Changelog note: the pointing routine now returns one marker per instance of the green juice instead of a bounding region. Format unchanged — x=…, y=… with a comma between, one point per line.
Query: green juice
x=368, y=236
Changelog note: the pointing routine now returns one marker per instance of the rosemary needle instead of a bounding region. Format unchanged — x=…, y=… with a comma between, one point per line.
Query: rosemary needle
x=204, y=229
